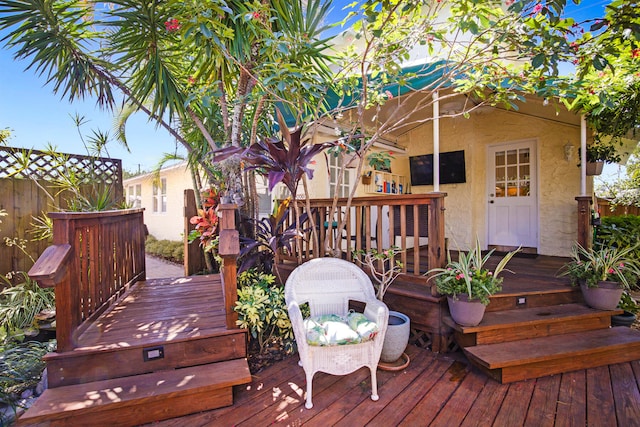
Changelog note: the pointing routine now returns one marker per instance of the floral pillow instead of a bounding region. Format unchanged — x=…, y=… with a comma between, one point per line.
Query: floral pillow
x=366, y=329
x=333, y=329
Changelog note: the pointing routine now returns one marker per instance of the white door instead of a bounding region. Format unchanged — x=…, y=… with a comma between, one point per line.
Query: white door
x=513, y=207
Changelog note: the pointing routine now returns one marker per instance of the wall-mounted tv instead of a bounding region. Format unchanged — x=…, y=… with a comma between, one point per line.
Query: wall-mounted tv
x=452, y=168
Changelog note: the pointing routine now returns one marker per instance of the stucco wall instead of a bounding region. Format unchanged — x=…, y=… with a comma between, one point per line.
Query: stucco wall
x=466, y=204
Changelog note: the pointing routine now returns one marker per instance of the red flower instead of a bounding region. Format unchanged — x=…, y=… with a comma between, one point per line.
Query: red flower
x=635, y=53
x=172, y=25
x=256, y=15
x=509, y=2
x=191, y=80
x=537, y=8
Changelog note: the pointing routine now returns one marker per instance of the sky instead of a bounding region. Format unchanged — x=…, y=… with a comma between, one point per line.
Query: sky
x=38, y=118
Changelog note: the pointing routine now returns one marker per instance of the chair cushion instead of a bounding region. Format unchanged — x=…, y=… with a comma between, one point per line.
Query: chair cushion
x=333, y=329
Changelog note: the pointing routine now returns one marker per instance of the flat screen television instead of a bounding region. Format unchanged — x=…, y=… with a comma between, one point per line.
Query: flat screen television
x=452, y=168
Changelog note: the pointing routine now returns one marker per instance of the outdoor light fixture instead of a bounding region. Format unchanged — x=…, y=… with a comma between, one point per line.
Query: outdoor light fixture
x=568, y=151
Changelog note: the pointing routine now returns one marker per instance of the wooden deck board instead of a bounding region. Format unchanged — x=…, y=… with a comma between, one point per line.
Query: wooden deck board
x=160, y=310
x=515, y=405
x=625, y=388
x=600, y=403
x=436, y=386
x=545, y=398
x=572, y=401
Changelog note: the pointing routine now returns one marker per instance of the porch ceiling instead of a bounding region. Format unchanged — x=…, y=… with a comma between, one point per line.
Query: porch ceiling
x=402, y=114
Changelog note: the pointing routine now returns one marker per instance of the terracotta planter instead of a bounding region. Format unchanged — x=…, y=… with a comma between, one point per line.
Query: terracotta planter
x=396, y=338
x=605, y=297
x=594, y=168
x=464, y=312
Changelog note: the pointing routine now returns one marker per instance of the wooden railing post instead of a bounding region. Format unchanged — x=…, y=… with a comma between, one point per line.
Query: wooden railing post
x=584, y=221
x=436, y=253
x=229, y=249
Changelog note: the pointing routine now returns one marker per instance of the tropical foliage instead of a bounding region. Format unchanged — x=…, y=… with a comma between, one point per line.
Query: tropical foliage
x=272, y=235
x=594, y=265
x=262, y=310
x=206, y=72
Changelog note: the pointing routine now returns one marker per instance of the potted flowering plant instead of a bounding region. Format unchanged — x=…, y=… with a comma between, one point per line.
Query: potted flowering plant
x=602, y=274
x=384, y=267
x=468, y=284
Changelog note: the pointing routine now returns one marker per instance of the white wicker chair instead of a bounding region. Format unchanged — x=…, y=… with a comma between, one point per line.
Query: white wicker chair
x=328, y=284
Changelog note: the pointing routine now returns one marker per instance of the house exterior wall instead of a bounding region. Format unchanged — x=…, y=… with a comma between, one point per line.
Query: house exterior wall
x=169, y=224
x=466, y=204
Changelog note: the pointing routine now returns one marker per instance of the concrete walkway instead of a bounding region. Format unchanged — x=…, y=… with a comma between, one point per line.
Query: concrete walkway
x=159, y=268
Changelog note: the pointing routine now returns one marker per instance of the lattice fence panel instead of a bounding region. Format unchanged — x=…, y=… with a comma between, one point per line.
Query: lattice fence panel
x=46, y=166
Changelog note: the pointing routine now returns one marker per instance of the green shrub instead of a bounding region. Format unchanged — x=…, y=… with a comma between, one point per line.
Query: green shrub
x=21, y=367
x=19, y=305
x=168, y=249
x=262, y=310
x=620, y=232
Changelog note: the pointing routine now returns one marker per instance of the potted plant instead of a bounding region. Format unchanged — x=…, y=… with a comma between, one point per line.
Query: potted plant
x=598, y=154
x=602, y=274
x=468, y=284
x=380, y=160
x=384, y=268
x=366, y=178
x=630, y=307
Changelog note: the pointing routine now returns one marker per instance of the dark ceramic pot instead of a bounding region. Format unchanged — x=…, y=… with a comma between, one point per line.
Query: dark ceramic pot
x=625, y=319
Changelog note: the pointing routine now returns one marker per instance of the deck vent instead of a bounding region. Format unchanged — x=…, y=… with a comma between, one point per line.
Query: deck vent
x=521, y=301
x=153, y=353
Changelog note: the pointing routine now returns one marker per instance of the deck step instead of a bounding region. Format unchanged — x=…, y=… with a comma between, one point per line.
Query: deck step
x=85, y=365
x=525, y=323
x=537, y=357
x=141, y=398
x=530, y=292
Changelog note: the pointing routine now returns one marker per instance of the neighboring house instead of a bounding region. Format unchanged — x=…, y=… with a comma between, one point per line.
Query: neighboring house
x=515, y=185
x=161, y=194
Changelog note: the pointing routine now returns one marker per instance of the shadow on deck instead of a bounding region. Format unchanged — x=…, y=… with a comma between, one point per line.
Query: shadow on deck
x=434, y=390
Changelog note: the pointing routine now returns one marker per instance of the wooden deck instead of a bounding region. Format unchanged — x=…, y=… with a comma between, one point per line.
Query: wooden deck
x=434, y=390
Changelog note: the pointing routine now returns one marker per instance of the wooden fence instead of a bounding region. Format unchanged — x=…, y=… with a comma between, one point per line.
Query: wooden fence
x=607, y=209
x=23, y=175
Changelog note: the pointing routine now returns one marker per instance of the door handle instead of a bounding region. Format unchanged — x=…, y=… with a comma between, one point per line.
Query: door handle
x=490, y=201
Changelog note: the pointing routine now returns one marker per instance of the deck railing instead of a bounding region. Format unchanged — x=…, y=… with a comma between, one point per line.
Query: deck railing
x=94, y=258
x=409, y=221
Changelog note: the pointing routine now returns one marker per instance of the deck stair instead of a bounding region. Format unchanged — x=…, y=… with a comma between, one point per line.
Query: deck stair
x=162, y=351
x=529, y=333
x=133, y=400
